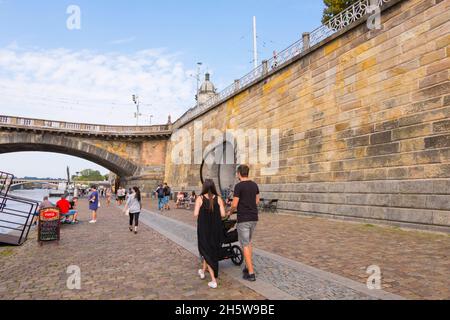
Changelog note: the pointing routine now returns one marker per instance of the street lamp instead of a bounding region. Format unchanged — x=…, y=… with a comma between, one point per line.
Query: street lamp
x=137, y=113
x=199, y=64
x=150, y=119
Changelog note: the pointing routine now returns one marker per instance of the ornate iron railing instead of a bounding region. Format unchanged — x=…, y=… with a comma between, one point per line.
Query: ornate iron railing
x=352, y=14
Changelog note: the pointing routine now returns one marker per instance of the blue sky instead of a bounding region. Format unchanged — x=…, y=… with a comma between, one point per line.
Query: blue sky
x=145, y=47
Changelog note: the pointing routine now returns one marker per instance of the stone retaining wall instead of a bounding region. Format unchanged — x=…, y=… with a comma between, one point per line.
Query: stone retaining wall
x=363, y=119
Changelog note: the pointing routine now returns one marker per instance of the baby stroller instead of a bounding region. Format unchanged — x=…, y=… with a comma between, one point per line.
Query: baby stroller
x=229, y=250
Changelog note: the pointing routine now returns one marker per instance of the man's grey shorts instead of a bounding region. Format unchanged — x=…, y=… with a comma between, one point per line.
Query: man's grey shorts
x=245, y=232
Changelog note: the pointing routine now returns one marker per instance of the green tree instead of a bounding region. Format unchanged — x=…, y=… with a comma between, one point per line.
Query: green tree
x=334, y=7
x=90, y=175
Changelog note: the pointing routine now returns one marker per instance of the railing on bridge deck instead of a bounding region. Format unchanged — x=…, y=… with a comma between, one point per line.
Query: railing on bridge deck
x=352, y=14
x=81, y=127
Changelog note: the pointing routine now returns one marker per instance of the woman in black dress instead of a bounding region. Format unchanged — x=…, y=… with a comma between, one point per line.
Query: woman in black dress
x=209, y=209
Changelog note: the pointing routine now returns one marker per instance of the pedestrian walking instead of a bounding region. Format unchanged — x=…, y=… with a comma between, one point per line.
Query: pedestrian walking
x=93, y=204
x=134, y=206
x=209, y=211
x=167, y=193
x=160, y=196
x=245, y=202
x=108, y=196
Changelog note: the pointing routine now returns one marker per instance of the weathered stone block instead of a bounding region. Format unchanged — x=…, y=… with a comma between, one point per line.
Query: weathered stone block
x=358, y=142
x=439, y=202
x=375, y=174
x=423, y=106
x=441, y=126
x=383, y=149
x=441, y=218
x=412, y=132
x=410, y=215
x=388, y=125
x=397, y=173
x=381, y=138
x=409, y=201
x=357, y=199
x=416, y=187
x=437, y=142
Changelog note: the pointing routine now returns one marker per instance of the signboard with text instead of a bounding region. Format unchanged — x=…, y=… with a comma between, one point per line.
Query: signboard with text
x=49, y=225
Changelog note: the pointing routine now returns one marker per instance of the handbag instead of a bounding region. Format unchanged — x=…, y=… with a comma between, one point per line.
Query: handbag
x=127, y=212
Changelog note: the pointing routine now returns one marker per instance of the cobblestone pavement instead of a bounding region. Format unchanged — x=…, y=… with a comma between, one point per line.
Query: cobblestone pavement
x=414, y=264
x=278, y=278
x=115, y=264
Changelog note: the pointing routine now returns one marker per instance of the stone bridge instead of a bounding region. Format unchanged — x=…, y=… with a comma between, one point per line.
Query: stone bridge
x=133, y=153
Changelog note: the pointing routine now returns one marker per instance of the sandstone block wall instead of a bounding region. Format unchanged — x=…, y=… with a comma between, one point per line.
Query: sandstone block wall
x=364, y=120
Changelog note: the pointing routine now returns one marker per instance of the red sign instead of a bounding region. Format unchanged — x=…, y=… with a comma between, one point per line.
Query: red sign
x=49, y=214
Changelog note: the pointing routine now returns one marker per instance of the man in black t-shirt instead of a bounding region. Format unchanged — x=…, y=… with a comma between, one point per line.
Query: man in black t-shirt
x=245, y=202
x=167, y=193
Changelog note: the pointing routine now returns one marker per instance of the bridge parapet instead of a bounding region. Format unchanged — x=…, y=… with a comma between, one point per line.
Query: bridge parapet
x=83, y=128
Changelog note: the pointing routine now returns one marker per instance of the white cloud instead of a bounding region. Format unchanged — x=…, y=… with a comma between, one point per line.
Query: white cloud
x=87, y=86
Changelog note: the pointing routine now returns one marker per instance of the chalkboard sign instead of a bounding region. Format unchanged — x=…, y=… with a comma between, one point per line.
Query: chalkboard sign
x=49, y=225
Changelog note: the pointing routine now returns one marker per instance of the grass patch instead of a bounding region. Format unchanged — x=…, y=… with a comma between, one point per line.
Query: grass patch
x=368, y=225
x=6, y=253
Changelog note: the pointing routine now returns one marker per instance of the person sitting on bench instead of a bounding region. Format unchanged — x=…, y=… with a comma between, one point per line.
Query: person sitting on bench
x=180, y=200
x=66, y=213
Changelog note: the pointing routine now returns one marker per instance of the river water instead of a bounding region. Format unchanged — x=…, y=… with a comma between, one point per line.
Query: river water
x=35, y=194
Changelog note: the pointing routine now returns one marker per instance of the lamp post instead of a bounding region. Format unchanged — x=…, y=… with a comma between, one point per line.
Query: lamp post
x=199, y=64
x=137, y=103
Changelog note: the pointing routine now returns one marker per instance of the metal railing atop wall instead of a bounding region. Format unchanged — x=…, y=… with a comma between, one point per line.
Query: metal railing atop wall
x=352, y=14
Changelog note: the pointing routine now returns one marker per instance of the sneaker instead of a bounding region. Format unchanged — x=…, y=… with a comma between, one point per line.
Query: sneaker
x=245, y=271
x=250, y=277
x=212, y=285
x=201, y=274
x=92, y=221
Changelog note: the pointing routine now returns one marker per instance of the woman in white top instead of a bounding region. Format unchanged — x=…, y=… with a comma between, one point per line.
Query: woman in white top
x=134, y=206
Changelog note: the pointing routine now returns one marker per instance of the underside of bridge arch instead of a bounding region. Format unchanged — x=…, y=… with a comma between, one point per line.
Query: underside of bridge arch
x=73, y=147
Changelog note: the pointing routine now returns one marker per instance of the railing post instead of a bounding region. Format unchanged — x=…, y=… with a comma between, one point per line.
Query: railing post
x=237, y=84
x=306, y=41
x=265, y=65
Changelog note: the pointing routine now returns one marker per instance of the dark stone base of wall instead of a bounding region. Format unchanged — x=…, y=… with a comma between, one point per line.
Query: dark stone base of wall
x=403, y=225
x=416, y=204
x=419, y=204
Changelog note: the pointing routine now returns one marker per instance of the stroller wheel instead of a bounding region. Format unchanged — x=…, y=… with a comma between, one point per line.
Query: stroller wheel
x=238, y=257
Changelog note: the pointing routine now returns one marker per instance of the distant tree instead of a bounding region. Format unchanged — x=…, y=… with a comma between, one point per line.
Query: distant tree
x=334, y=7
x=89, y=175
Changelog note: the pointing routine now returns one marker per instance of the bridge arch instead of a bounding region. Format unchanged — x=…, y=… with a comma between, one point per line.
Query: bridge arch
x=24, y=142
